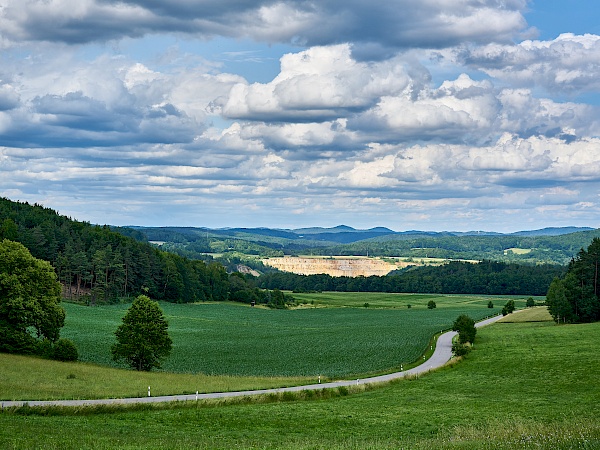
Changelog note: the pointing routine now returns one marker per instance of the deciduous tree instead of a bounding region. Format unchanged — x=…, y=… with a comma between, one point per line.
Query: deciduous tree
x=30, y=308
x=142, y=339
x=466, y=329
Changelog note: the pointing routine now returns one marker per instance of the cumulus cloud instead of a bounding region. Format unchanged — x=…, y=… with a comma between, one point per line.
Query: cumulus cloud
x=318, y=84
x=374, y=26
x=569, y=64
x=390, y=113
x=456, y=110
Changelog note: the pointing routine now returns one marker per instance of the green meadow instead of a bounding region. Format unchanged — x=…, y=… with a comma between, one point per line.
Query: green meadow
x=528, y=385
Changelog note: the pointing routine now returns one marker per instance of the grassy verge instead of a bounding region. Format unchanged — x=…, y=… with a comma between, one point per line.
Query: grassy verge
x=524, y=385
x=26, y=378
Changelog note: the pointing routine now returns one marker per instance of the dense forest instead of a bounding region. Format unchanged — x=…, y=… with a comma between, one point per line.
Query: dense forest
x=100, y=265
x=576, y=296
x=486, y=277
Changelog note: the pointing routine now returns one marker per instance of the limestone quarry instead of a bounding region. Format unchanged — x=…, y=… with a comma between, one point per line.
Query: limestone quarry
x=335, y=266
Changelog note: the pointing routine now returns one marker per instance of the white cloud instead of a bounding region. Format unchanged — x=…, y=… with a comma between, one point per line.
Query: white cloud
x=375, y=26
x=390, y=112
x=568, y=64
x=317, y=84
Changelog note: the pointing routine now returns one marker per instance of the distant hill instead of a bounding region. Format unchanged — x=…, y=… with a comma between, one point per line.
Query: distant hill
x=548, y=245
x=551, y=231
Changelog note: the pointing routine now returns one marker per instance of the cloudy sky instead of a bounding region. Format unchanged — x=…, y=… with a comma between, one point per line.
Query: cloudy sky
x=431, y=115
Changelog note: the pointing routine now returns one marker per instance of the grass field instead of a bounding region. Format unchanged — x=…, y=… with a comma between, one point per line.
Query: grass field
x=524, y=386
x=26, y=378
x=536, y=314
x=232, y=339
x=401, y=301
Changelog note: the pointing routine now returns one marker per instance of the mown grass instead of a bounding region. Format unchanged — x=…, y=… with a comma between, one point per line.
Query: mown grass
x=524, y=385
x=231, y=339
x=535, y=314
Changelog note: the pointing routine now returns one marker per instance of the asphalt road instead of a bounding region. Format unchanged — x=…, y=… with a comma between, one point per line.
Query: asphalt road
x=441, y=355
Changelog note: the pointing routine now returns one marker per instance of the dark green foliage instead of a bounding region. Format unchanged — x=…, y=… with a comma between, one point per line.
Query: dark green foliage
x=142, y=340
x=490, y=304
x=459, y=349
x=431, y=304
x=98, y=265
x=530, y=302
x=508, y=308
x=575, y=298
x=466, y=329
x=486, y=277
x=65, y=350
x=30, y=310
x=558, y=305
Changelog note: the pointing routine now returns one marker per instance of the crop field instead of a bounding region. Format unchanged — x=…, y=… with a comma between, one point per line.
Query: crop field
x=401, y=301
x=333, y=342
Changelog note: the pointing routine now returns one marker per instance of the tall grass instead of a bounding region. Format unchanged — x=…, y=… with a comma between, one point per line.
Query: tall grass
x=27, y=378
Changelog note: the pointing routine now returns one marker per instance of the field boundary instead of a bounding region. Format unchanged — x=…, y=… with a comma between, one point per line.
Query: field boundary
x=440, y=357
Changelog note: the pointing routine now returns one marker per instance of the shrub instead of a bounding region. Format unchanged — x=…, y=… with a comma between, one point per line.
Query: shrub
x=490, y=304
x=65, y=350
x=460, y=349
x=45, y=350
x=431, y=304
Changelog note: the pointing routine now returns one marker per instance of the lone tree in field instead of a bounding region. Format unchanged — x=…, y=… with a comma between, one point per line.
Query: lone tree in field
x=466, y=329
x=30, y=310
x=509, y=308
x=142, y=339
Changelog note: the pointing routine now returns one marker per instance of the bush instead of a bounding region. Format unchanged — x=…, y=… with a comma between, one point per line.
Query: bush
x=431, y=304
x=65, y=350
x=45, y=349
x=460, y=349
x=530, y=302
x=490, y=304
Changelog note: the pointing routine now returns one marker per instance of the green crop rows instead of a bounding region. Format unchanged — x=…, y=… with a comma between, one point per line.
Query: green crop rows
x=232, y=339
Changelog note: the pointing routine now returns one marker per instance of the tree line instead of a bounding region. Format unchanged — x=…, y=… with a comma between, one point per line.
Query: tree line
x=575, y=297
x=99, y=265
x=486, y=277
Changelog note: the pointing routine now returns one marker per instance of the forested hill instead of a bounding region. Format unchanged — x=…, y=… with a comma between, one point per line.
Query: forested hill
x=105, y=265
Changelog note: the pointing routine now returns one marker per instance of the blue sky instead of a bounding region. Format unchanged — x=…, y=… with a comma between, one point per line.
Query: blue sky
x=429, y=115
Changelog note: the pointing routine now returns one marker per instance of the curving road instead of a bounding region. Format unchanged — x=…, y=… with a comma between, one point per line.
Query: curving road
x=441, y=355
